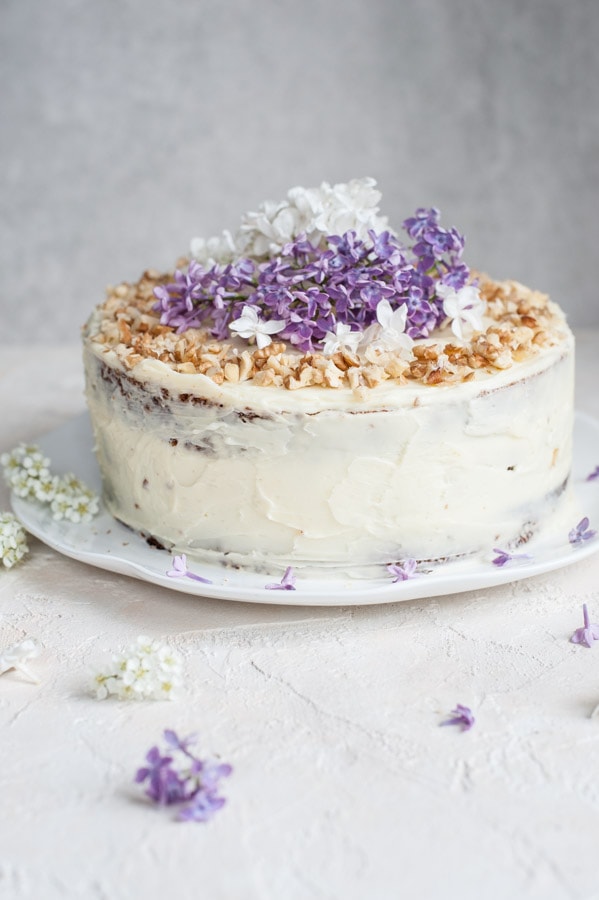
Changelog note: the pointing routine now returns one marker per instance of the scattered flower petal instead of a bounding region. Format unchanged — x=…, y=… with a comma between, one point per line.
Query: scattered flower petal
x=14, y=656
x=503, y=556
x=403, y=570
x=588, y=633
x=462, y=716
x=183, y=779
x=179, y=570
x=147, y=670
x=594, y=475
x=581, y=532
x=287, y=582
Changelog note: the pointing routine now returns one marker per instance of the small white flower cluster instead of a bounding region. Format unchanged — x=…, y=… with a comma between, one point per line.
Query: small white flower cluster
x=314, y=212
x=13, y=541
x=147, y=670
x=73, y=500
x=27, y=473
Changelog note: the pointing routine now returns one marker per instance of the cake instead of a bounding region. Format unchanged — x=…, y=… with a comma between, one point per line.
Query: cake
x=317, y=391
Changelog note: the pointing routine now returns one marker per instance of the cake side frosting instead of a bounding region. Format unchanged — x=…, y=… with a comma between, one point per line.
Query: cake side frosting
x=408, y=471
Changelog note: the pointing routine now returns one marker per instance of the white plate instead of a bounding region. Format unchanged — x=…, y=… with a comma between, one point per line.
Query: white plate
x=107, y=544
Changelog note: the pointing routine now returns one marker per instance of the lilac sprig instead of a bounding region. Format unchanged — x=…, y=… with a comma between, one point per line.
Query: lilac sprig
x=180, y=778
x=462, y=716
x=581, y=532
x=589, y=633
x=310, y=289
x=503, y=557
x=179, y=570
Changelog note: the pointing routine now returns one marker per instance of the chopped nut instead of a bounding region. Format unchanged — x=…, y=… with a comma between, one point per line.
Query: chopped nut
x=231, y=371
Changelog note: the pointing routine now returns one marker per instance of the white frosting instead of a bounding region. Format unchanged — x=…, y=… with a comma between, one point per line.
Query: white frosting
x=269, y=477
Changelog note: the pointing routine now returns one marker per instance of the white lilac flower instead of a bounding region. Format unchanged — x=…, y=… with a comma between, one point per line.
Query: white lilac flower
x=13, y=540
x=343, y=338
x=214, y=250
x=16, y=655
x=350, y=207
x=465, y=307
x=313, y=212
x=250, y=325
x=392, y=322
x=147, y=670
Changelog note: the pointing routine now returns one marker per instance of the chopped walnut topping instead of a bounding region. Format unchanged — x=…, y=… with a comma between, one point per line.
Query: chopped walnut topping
x=522, y=322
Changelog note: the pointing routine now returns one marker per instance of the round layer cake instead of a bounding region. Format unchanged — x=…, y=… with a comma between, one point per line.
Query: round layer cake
x=363, y=447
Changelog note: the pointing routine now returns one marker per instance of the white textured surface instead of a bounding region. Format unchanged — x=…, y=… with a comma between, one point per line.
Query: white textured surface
x=344, y=786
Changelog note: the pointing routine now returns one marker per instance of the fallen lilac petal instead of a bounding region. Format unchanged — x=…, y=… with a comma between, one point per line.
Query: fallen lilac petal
x=173, y=740
x=462, y=716
x=588, y=633
x=403, y=571
x=503, y=556
x=180, y=570
x=287, y=582
x=581, y=532
x=594, y=475
x=203, y=806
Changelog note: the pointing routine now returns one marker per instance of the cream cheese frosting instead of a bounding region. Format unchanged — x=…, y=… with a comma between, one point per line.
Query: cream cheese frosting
x=268, y=477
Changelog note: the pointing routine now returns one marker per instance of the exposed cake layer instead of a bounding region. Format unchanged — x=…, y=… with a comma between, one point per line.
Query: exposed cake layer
x=266, y=476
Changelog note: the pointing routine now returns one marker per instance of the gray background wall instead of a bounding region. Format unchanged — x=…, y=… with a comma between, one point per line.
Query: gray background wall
x=129, y=126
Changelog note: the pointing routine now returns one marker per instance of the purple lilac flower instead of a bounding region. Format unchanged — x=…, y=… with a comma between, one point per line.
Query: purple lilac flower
x=462, y=716
x=287, y=582
x=588, y=633
x=180, y=570
x=581, y=532
x=312, y=288
x=183, y=779
x=504, y=557
x=164, y=784
x=202, y=807
x=594, y=475
x=403, y=570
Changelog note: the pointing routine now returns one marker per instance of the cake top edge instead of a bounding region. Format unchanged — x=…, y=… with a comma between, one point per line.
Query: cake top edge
x=318, y=290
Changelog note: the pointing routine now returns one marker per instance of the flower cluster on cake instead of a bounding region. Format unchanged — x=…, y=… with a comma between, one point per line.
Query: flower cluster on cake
x=225, y=395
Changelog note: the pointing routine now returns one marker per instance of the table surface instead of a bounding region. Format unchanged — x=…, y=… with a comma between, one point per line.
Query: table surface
x=343, y=786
